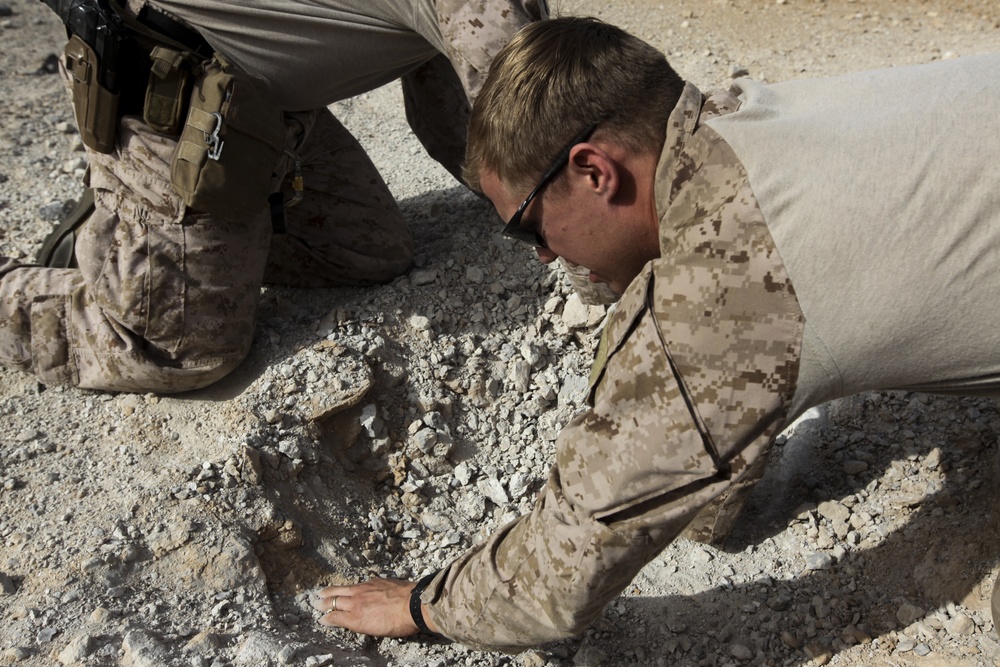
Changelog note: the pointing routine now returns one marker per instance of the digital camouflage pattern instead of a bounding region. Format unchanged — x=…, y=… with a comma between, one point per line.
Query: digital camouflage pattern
x=696, y=371
x=475, y=30
x=166, y=298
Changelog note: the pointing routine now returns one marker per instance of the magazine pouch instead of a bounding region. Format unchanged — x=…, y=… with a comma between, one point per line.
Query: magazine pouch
x=229, y=144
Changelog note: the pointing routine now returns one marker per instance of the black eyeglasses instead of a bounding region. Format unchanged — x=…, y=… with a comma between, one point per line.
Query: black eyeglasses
x=530, y=235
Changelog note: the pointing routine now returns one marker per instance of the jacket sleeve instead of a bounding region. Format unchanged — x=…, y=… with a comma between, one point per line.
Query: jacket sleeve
x=692, y=380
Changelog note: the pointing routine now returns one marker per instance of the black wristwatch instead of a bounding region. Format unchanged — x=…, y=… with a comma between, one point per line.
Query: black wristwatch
x=415, y=613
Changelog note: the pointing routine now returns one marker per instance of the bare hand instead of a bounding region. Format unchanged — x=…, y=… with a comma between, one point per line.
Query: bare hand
x=379, y=607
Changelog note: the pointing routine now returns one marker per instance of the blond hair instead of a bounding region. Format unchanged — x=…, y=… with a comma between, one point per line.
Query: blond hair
x=553, y=79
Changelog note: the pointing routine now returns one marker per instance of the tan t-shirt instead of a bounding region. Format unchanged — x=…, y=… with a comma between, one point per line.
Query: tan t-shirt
x=882, y=192
x=312, y=54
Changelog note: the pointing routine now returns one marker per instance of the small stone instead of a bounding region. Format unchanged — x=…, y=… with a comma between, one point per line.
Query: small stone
x=493, y=489
x=7, y=585
x=141, y=649
x=701, y=556
x=463, y=473
x=420, y=277
x=818, y=561
x=474, y=275
x=425, y=439
x=290, y=448
x=905, y=645
x=590, y=656
x=741, y=652
x=922, y=650
x=908, y=614
x=54, y=211
x=834, y=511
x=518, y=485
x=818, y=653
x=420, y=323
x=370, y=421
x=575, y=313
x=100, y=615
x=45, y=635
x=77, y=649
x=287, y=654
x=855, y=467
x=436, y=523
x=204, y=642
x=27, y=435
x=12, y=655
x=74, y=164
x=959, y=624
x=319, y=660
x=443, y=447
x=533, y=659
x=736, y=71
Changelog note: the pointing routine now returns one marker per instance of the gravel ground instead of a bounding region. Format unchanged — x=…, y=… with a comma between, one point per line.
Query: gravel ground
x=383, y=431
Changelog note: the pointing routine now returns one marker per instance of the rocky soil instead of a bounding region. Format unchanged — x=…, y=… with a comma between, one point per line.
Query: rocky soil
x=382, y=431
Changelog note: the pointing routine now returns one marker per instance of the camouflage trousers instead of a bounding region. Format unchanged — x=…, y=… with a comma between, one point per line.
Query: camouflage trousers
x=165, y=298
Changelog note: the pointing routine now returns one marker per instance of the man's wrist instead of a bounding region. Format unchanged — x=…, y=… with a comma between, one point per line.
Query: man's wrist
x=416, y=613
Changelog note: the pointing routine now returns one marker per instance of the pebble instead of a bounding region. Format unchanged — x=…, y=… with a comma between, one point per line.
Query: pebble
x=27, y=435
x=493, y=489
x=474, y=275
x=741, y=652
x=463, y=473
x=420, y=277
x=286, y=655
x=834, y=511
x=818, y=653
x=101, y=615
x=736, y=71
x=53, y=211
x=575, y=313
x=77, y=650
x=855, y=467
x=818, y=560
x=435, y=522
x=45, y=635
x=7, y=585
x=960, y=625
x=13, y=655
x=908, y=614
x=425, y=439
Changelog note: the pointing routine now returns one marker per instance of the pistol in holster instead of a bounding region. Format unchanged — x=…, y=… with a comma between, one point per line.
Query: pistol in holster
x=92, y=61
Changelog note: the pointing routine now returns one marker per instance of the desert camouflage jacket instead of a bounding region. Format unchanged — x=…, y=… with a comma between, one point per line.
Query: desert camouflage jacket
x=694, y=375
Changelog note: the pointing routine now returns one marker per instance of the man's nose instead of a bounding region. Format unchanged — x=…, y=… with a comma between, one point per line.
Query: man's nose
x=546, y=256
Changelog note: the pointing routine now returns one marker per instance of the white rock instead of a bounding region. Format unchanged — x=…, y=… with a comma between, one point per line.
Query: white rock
x=141, y=649
x=575, y=313
x=493, y=489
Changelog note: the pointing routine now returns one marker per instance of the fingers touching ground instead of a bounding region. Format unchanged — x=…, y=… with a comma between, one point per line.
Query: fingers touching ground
x=378, y=607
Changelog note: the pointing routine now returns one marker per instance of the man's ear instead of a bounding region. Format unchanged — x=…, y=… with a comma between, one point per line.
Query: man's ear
x=599, y=170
